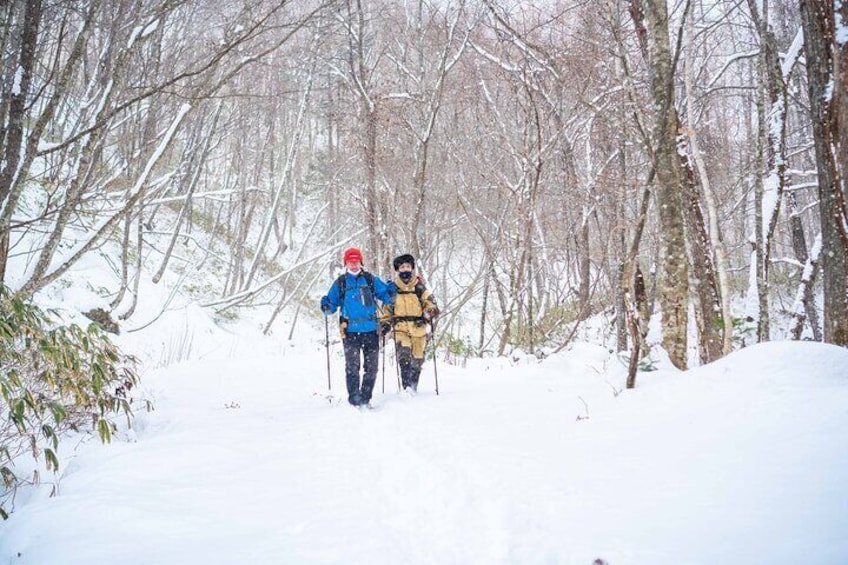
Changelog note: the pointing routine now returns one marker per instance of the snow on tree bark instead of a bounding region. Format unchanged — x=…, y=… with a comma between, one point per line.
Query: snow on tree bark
x=674, y=283
x=817, y=17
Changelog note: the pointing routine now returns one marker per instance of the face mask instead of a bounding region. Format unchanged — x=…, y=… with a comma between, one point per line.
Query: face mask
x=405, y=275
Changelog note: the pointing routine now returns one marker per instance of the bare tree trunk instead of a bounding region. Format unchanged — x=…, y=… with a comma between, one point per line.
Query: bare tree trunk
x=759, y=254
x=488, y=275
x=584, y=266
x=8, y=42
x=621, y=329
x=372, y=215
x=817, y=18
x=15, y=109
x=673, y=291
x=125, y=254
x=635, y=298
x=804, y=300
x=635, y=349
x=707, y=303
x=771, y=156
x=799, y=245
x=242, y=212
x=839, y=198
x=715, y=241
x=508, y=314
x=139, y=249
x=620, y=299
x=360, y=77
x=840, y=108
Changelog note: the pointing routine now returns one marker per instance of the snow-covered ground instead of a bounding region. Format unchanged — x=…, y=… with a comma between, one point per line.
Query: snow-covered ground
x=244, y=460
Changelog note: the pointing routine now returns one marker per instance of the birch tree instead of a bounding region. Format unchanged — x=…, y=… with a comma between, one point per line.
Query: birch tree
x=673, y=291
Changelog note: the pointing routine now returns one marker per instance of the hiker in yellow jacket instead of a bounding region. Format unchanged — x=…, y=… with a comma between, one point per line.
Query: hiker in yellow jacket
x=411, y=318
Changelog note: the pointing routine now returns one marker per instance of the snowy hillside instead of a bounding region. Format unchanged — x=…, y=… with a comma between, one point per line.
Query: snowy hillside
x=245, y=461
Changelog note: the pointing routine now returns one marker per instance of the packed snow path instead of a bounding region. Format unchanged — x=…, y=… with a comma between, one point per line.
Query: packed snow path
x=244, y=461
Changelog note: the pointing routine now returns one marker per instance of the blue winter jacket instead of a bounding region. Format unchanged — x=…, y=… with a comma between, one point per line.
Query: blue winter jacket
x=358, y=306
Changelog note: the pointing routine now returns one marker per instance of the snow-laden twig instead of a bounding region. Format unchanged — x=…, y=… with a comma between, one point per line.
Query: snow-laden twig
x=106, y=226
x=730, y=60
x=251, y=292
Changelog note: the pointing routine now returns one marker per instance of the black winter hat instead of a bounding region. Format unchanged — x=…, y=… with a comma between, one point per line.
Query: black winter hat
x=401, y=259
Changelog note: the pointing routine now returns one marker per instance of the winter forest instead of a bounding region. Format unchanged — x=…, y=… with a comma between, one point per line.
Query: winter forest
x=680, y=163
x=546, y=161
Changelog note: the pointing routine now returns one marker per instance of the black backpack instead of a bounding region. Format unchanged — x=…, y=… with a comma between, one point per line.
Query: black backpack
x=417, y=291
x=342, y=284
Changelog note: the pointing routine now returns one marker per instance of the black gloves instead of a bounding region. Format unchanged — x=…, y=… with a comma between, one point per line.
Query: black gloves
x=325, y=305
x=430, y=313
x=385, y=328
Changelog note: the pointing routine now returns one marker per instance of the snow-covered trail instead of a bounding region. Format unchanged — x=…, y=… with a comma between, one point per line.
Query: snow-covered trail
x=244, y=461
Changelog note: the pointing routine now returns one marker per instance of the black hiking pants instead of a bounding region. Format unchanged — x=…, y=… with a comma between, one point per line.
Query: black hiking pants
x=410, y=368
x=364, y=349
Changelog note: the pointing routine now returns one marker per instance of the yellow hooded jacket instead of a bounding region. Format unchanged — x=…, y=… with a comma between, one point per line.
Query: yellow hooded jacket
x=407, y=315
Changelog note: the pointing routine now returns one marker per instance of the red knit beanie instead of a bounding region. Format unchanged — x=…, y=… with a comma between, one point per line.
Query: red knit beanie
x=352, y=254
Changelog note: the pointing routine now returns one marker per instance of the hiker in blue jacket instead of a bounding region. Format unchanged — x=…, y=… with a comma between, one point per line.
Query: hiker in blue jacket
x=356, y=292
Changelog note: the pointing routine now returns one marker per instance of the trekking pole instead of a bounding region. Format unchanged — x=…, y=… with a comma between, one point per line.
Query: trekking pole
x=435, y=369
x=327, y=348
x=384, y=363
x=397, y=359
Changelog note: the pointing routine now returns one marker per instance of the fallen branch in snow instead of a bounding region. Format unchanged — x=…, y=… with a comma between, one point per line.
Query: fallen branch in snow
x=586, y=408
